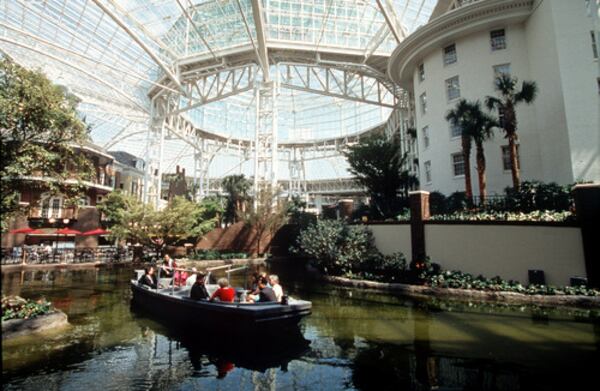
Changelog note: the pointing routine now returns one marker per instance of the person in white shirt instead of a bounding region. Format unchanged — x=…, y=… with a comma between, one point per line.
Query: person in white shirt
x=274, y=282
x=191, y=280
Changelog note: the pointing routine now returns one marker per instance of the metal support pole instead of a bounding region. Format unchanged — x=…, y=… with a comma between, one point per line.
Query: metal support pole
x=160, y=164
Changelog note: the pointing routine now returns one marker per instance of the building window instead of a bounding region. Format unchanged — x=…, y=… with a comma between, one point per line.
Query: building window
x=85, y=201
x=425, y=137
x=455, y=131
x=506, y=157
x=450, y=54
x=452, y=88
x=594, y=45
x=498, y=39
x=502, y=69
x=421, y=72
x=458, y=164
x=423, y=100
x=51, y=207
x=428, y=171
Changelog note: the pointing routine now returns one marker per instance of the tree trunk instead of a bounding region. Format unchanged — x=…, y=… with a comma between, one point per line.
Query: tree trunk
x=481, y=173
x=514, y=162
x=466, y=150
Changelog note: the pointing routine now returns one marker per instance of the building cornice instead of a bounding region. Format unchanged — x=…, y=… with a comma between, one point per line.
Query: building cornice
x=66, y=181
x=468, y=19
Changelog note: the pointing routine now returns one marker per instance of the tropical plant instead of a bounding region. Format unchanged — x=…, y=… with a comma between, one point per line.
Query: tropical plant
x=505, y=105
x=237, y=188
x=458, y=118
x=479, y=127
x=38, y=129
x=377, y=164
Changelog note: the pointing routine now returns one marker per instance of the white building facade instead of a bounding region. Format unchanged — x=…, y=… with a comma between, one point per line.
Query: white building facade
x=459, y=53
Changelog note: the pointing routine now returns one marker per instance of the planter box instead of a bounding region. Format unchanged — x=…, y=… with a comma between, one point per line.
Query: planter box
x=22, y=327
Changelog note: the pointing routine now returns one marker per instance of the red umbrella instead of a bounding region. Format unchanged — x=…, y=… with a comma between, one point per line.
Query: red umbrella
x=67, y=231
x=97, y=231
x=38, y=232
x=22, y=231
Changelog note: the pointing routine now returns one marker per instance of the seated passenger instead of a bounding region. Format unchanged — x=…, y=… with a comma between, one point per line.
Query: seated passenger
x=192, y=278
x=148, y=278
x=166, y=269
x=224, y=293
x=181, y=277
x=198, y=291
x=265, y=294
x=274, y=281
x=257, y=276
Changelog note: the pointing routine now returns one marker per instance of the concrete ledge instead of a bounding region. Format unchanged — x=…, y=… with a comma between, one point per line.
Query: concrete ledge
x=219, y=262
x=22, y=327
x=471, y=294
x=82, y=265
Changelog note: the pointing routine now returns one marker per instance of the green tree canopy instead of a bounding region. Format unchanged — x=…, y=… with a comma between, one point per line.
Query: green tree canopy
x=379, y=166
x=130, y=219
x=38, y=129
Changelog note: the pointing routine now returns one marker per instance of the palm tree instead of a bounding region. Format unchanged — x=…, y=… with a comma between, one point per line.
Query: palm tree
x=479, y=127
x=458, y=117
x=237, y=186
x=505, y=104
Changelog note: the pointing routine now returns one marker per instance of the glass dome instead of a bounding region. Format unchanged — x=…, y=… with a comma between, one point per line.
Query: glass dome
x=119, y=55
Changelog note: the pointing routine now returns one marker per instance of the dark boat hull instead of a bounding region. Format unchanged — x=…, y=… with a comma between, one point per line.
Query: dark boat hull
x=231, y=317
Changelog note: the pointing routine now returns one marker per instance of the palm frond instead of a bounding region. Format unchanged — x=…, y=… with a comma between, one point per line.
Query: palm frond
x=492, y=103
x=528, y=92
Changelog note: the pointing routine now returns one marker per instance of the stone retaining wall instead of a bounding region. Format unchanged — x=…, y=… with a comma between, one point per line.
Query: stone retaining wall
x=471, y=294
x=22, y=327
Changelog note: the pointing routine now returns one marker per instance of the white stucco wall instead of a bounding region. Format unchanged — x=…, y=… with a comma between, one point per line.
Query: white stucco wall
x=475, y=71
x=392, y=238
x=508, y=251
x=548, y=43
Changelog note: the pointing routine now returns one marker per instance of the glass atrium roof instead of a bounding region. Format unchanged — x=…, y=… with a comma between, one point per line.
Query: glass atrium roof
x=114, y=54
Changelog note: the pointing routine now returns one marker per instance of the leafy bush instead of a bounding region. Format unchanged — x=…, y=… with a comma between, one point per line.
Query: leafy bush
x=457, y=201
x=437, y=203
x=542, y=215
x=456, y=279
x=336, y=247
x=14, y=307
x=535, y=195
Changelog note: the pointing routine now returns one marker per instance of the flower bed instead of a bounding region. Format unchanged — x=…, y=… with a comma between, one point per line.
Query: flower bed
x=14, y=307
x=22, y=317
x=540, y=215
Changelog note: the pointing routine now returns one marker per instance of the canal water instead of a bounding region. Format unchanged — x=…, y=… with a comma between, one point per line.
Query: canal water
x=355, y=339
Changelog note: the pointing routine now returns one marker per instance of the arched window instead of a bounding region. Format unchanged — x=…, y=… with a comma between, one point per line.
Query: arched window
x=52, y=206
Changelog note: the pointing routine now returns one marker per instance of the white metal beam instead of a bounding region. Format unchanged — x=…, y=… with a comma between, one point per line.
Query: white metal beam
x=390, y=21
x=257, y=13
x=141, y=43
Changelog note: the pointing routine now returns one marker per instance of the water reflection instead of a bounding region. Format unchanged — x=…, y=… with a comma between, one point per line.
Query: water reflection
x=355, y=339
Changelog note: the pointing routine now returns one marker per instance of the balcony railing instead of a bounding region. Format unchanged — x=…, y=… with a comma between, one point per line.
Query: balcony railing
x=64, y=213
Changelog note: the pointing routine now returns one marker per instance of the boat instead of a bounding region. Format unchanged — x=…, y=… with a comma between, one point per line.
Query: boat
x=174, y=303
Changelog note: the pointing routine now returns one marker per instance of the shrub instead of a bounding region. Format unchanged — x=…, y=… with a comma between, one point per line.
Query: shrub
x=335, y=247
x=535, y=195
x=456, y=279
x=14, y=307
x=201, y=255
x=437, y=203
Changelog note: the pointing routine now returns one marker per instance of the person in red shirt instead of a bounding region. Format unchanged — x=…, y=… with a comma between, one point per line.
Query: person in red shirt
x=225, y=292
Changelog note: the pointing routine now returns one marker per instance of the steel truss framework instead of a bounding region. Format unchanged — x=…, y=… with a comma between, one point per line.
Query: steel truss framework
x=147, y=67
